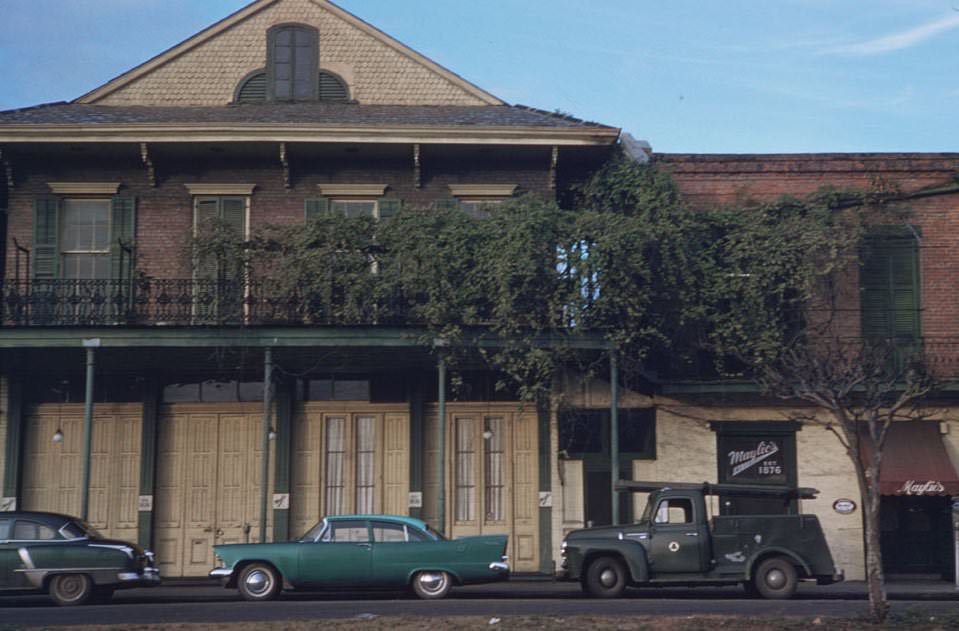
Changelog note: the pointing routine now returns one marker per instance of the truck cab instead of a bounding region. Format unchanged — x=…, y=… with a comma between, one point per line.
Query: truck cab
x=676, y=543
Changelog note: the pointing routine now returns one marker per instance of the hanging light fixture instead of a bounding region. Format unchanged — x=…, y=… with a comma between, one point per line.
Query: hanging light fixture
x=58, y=436
x=272, y=434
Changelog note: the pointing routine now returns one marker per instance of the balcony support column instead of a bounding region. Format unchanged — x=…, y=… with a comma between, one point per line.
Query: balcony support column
x=441, y=446
x=265, y=442
x=91, y=346
x=614, y=432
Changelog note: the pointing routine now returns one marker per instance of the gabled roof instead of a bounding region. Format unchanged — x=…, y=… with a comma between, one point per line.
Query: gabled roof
x=133, y=86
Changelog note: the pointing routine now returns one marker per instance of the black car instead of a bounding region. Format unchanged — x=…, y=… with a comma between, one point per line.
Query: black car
x=68, y=559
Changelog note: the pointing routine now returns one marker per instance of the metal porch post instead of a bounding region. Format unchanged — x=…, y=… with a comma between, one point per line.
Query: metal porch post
x=441, y=464
x=265, y=444
x=614, y=432
x=87, y=428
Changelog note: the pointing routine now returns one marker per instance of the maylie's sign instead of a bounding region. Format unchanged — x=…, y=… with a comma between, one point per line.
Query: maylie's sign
x=749, y=458
x=916, y=487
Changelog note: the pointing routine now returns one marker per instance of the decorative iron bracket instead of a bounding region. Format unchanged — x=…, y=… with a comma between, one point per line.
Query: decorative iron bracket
x=417, y=167
x=285, y=163
x=553, y=161
x=148, y=163
x=7, y=169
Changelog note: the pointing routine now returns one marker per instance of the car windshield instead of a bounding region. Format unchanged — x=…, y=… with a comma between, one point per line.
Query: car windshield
x=75, y=529
x=313, y=533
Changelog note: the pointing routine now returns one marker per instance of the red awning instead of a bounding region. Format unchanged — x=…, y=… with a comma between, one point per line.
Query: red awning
x=915, y=462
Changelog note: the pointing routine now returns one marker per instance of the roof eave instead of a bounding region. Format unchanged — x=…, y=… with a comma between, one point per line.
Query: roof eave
x=589, y=136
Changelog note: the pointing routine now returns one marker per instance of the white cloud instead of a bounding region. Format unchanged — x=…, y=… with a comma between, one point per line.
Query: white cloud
x=897, y=41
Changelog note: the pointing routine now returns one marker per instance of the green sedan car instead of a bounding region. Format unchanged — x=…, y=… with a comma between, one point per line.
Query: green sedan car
x=66, y=558
x=363, y=552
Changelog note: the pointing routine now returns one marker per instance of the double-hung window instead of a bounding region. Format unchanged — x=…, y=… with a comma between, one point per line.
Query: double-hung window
x=85, y=239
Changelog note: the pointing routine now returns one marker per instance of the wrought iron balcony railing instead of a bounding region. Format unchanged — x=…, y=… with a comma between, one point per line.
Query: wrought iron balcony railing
x=188, y=302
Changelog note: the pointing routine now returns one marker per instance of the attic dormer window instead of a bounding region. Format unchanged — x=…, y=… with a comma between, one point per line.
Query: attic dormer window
x=292, y=61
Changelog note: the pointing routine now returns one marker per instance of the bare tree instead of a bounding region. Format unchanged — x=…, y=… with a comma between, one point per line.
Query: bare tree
x=857, y=389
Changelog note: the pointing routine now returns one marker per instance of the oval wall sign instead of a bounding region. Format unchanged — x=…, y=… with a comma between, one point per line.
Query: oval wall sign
x=844, y=506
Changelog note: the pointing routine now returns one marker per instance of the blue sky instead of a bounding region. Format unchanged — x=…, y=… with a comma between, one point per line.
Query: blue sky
x=703, y=76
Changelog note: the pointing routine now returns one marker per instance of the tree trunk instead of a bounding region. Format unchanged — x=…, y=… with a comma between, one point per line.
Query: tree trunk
x=875, y=579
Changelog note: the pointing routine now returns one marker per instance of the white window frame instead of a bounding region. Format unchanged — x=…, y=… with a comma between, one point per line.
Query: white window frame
x=105, y=253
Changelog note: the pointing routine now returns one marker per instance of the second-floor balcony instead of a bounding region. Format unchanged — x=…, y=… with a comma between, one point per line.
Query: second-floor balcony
x=190, y=302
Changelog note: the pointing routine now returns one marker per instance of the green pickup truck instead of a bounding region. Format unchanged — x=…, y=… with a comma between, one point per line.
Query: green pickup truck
x=676, y=543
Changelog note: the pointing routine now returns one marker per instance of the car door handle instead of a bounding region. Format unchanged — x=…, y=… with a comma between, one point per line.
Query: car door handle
x=363, y=545
x=692, y=534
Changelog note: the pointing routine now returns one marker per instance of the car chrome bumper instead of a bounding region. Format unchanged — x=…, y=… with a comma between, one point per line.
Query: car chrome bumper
x=150, y=577
x=221, y=572
x=498, y=566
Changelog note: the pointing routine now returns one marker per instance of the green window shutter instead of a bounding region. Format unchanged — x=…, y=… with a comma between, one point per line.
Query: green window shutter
x=904, y=287
x=446, y=204
x=207, y=209
x=233, y=214
x=122, y=229
x=317, y=208
x=46, y=238
x=389, y=207
x=889, y=289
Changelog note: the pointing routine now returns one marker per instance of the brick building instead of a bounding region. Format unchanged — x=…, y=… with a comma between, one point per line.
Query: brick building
x=283, y=108
x=912, y=297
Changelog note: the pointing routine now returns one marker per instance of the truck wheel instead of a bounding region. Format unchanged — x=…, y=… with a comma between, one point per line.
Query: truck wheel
x=775, y=578
x=259, y=582
x=606, y=578
x=71, y=589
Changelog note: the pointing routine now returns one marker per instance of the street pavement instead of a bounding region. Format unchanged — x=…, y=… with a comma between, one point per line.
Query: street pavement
x=202, y=601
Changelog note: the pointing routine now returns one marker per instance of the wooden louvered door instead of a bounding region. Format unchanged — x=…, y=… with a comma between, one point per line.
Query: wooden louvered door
x=208, y=484
x=53, y=472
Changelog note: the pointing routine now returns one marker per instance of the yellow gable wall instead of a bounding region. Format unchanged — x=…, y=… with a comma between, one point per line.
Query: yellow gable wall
x=209, y=73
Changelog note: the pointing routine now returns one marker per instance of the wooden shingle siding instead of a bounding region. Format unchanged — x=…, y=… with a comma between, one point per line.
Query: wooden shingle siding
x=209, y=73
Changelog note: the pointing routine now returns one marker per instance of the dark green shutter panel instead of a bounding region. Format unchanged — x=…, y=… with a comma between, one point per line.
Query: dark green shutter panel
x=446, y=204
x=233, y=214
x=889, y=286
x=46, y=241
x=122, y=229
x=389, y=207
x=317, y=208
x=206, y=211
x=904, y=286
x=253, y=89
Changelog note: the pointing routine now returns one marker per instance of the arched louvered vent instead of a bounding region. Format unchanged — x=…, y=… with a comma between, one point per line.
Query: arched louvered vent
x=253, y=89
x=332, y=88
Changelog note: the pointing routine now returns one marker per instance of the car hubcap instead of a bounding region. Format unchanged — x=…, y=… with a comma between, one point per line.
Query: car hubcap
x=71, y=587
x=607, y=578
x=776, y=579
x=432, y=583
x=257, y=582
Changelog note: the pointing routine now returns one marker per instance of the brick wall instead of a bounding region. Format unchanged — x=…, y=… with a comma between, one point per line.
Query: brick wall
x=165, y=213
x=711, y=180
